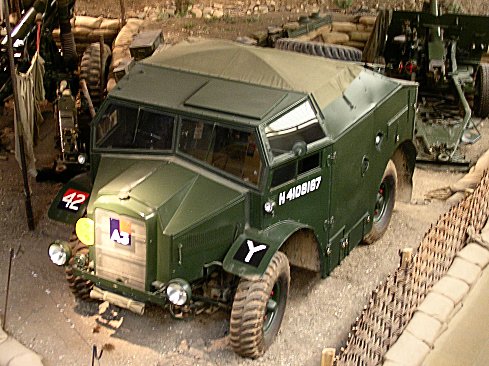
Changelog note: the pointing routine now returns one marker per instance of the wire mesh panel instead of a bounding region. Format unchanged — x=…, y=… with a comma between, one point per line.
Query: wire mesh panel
x=394, y=301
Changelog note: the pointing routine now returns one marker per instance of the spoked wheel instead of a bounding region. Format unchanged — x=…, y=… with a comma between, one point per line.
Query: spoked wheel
x=481, y=96
x=259, y=307
x=384, y=204
x=79, y=287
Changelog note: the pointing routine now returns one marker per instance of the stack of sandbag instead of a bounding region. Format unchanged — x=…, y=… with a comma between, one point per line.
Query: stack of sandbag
x=352, y=34
x=89, y=29
x=120, y=49
x=458, y=190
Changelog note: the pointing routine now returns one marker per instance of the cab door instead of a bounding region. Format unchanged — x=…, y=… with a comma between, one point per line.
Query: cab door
x=300, y=191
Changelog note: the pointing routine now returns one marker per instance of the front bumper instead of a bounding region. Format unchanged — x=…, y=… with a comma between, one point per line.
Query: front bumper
x=158, y=298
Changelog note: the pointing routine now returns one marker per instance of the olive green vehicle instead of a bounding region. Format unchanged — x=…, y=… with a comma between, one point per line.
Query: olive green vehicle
x=215, y=166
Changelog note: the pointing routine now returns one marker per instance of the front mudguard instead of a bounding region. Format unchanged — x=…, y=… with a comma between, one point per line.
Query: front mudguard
x=71, y=201
x=253, y=250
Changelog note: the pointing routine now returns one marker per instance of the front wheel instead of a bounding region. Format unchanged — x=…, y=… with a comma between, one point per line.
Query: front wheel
x=259, y=307
x=79, y=287
x=384, y=204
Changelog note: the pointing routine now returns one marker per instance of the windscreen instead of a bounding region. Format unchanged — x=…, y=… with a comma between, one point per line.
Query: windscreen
x=230, y=150
x=123, y=127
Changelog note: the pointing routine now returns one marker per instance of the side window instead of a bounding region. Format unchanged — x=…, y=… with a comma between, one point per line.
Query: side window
x=288, y=172
x=309, y=163
x=283, y=174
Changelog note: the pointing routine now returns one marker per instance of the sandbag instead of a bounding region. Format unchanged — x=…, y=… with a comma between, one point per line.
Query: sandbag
x=359, y=36
x=113, y=24
x=108, y=35
x=82, y=32
x=344, y=27
x=335, y=37
x=367, y=20
x=89, y=22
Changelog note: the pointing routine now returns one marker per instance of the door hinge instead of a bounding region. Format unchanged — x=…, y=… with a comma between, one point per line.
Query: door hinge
x=331, y=158
x=329, y=222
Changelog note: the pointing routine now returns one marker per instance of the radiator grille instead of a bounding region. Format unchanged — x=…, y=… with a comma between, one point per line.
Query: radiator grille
x=120, y=248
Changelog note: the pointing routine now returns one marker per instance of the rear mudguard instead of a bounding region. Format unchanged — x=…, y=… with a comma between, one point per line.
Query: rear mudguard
x=252, y=251
x=71, y=201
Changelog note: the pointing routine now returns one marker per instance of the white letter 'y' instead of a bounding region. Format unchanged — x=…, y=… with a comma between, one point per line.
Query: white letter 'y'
x=253, y=250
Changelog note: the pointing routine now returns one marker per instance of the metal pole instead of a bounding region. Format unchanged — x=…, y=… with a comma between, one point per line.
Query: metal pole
x=102, y=68
x=7, y=289
x=123, y=13
x=27, y=191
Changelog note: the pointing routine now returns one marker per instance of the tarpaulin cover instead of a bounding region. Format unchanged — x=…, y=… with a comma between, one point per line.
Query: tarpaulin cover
x=323, y=78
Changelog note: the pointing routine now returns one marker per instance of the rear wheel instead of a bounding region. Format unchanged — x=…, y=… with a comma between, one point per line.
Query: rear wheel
x=94, y=72
x=384, y=204
x=79, y=287
x=259, y=307
x=481, y=96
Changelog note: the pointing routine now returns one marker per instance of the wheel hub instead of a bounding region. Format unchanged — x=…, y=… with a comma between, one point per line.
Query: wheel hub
x=381, y=203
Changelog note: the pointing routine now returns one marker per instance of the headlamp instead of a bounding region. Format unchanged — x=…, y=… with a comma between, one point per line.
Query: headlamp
x=59, y=252
x=82, y=159
x=178, y=292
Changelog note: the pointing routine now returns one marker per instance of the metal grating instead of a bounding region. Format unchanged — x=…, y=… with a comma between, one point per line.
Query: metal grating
x=120, y=256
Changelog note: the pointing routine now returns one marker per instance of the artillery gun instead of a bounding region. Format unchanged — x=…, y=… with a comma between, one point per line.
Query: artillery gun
x=62, y=73
x=442, y=52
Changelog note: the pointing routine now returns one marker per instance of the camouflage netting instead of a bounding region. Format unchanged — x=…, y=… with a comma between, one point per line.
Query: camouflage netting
x=393, y=303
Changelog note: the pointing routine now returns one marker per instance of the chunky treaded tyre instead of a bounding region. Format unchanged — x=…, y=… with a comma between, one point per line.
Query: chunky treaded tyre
x=481, y=96
x=384, y=205
x=327, y=50
x=259, y=307
x=79, y=287
x=93, y=72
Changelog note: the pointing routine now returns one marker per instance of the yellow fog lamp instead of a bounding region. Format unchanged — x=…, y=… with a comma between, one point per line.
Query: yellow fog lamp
x=59, y=252
x=178, y=292
x=85, y=230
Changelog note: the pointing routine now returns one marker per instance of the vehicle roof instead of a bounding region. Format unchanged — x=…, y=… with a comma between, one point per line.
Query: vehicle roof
x=323, y=78
x=236, y=83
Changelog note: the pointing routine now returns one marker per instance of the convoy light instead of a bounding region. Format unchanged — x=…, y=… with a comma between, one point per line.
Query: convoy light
x=178, y=292
x=82, y=159
x=85, y=230
x=59, y=252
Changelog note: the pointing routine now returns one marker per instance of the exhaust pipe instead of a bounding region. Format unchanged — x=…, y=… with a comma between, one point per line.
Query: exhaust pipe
x=117, y=300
